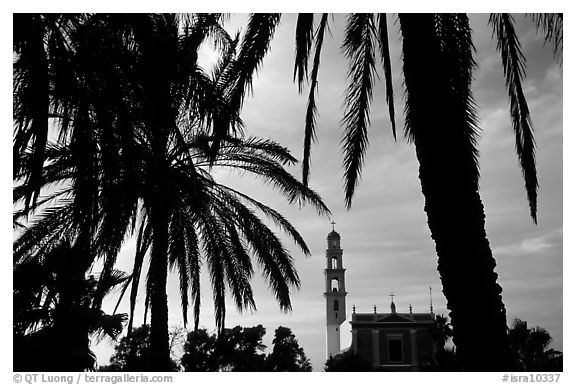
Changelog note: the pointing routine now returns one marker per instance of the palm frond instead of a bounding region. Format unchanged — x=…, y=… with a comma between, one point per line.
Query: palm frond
x=275, y=262
x=109, y=325
x=18, y=196
x=31, y=98
x=143, y=242
x=239, y=270
x=304, y=36
x=269, y=212
x=108, y=281
x=254, y=46
x=125, y=286
x=385, y=55
x=514, y=65
x=194, y=264
x=214, y=245
x=222, y=69
x=260, y=158
x=311, y=110
x=552, y=25
x=45, y=232
x=178, y=258
x=358, y=46
x=233, y=147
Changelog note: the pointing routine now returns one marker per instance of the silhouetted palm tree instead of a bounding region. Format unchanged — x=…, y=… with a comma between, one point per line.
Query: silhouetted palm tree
x=531, y=346
x=442, y=331
x=438, y=63
x=54, y=313
x=141, y=125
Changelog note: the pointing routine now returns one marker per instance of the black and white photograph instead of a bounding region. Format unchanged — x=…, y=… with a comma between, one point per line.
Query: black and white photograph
x=287, y=192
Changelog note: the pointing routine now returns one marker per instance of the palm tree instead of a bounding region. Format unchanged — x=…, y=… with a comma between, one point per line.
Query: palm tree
x=438, y=63
x=531, y=346
x=442, y=331
x=54, y=315
x=141, y=126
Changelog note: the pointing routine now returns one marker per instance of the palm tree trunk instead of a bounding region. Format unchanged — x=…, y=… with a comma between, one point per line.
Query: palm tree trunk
x=70, y=318
x=440, y=120
x=158, y=277
x=154, y=34
x=466, y=267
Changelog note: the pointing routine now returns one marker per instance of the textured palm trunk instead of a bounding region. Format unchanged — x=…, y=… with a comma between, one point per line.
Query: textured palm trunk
x=158, y=277
x=445, y=148
x=467, y=271
x=158, y=50
x=71, y=318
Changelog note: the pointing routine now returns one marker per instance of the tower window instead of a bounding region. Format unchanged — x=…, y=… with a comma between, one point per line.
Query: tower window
x=334, y=263
x=336, y=305
x=335, y=285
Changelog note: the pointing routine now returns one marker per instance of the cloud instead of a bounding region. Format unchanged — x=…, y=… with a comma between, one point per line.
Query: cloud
x=526, y=246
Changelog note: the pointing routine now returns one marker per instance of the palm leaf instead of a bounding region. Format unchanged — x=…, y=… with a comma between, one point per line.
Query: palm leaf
x=278, y=219
x=304, y=36
x=514, y=65
x=143, y=242
x=385, y=55
x=311, y=110
x=178, y=258
x=552, y=25
x=358, y=46
x=211, y=233
x=31, y=98
x=254, y=46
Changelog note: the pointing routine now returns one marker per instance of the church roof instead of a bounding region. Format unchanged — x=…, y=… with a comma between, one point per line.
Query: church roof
x=396, y=318
x=333, y=234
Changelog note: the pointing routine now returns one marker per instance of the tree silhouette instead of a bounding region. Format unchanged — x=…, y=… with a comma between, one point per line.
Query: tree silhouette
x=444, y=358
x=531, y=347
x=440, y=119
x=239, y=349
x=55, y=313
x=198, y=352
x=287, y=355
x=141, y=126
x=442, y=331
x=347, y=361
x=134, y=354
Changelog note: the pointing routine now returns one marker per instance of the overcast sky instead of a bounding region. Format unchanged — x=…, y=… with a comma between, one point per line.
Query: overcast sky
x=385, y=238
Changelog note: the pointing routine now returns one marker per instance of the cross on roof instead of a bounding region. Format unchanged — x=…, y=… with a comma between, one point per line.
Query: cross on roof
x=332, y=223
x=392, y=295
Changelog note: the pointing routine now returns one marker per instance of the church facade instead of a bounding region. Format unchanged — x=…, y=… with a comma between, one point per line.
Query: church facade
x=389, y=341
x=393, y=341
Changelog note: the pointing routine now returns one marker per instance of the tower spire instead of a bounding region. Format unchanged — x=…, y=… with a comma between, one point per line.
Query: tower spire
x=335, y=293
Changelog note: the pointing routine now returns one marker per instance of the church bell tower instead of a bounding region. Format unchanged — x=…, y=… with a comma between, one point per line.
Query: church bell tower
x=335, y=293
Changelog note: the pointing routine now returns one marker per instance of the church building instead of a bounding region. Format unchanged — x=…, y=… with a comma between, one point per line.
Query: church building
x=389, y=341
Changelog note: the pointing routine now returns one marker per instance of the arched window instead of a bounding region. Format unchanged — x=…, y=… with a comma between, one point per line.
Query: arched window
x=335, y=284
x=336, y=305
x=334, y=262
